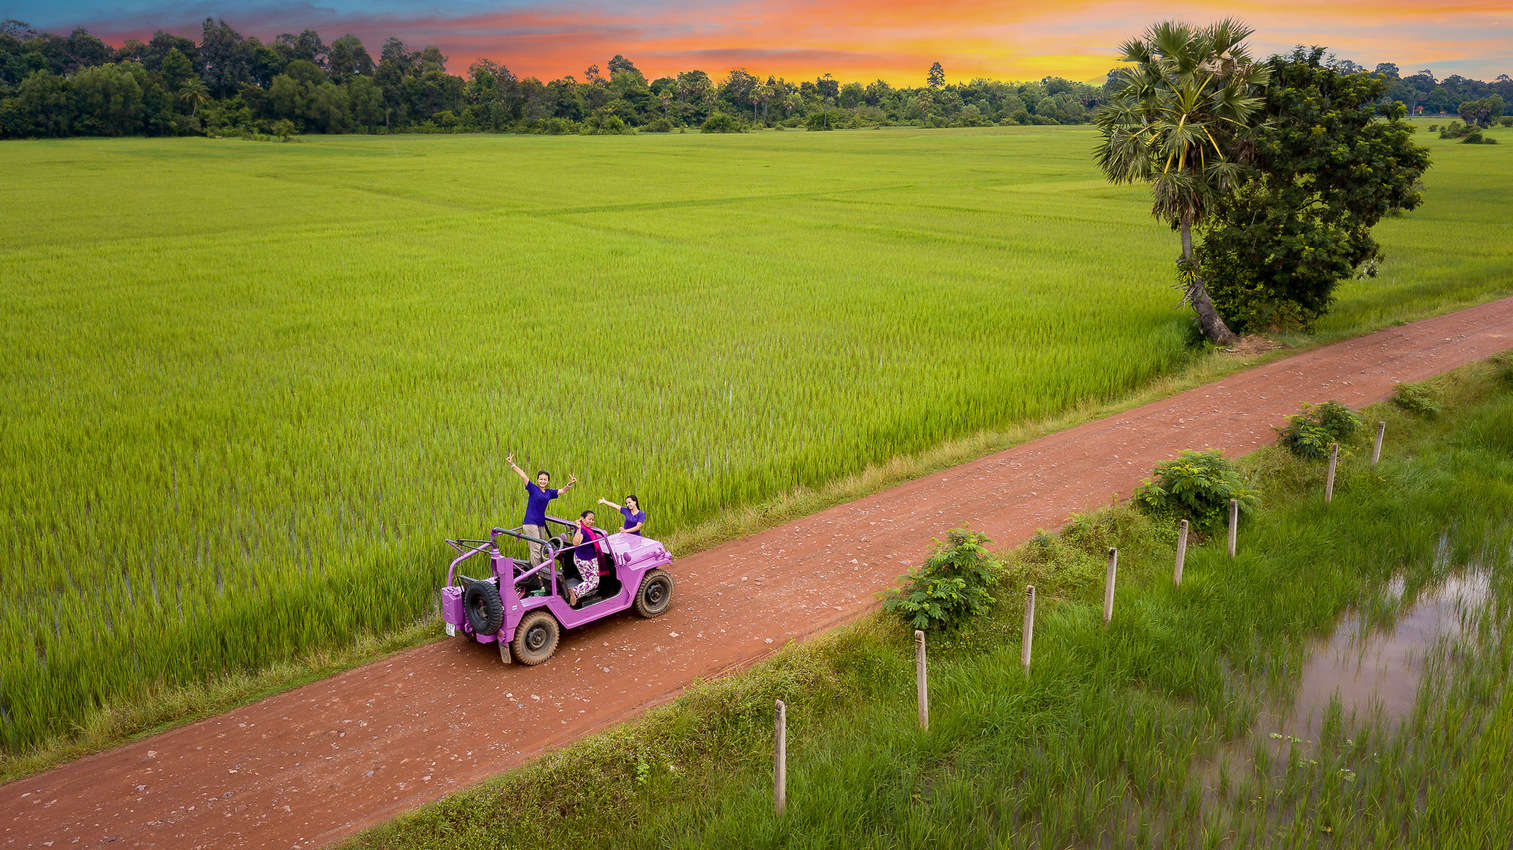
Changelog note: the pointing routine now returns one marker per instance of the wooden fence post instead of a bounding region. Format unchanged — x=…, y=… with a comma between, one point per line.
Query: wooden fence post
x=780, y=760
x=1108, y=587
x=1181, y=553
x=1234, y=524
x=919, y=675
x=1376, y=450
x=1029, y=626
x=1334, y=459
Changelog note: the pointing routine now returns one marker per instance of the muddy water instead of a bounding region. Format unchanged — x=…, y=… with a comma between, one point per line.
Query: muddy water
x=1380, y=669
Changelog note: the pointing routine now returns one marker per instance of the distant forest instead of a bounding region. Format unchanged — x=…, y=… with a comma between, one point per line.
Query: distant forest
x=77, y=85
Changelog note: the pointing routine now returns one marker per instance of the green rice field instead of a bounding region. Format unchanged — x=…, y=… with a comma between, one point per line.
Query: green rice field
x=249, y=387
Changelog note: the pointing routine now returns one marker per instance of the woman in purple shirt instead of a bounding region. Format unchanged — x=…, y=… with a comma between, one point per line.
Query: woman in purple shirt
x=635, y=518
x=537, y=495
x=587, y=547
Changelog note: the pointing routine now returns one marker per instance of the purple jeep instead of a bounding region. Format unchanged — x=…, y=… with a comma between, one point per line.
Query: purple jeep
x=525, y=608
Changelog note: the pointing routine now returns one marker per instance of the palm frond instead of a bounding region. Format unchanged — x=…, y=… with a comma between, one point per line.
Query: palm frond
x=1180, y=114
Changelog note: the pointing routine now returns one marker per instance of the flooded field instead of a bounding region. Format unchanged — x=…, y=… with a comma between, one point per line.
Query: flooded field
x=1375, y=672
x=1400, y=703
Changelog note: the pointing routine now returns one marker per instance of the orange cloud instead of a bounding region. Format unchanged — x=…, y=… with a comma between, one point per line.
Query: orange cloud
x=898, y=39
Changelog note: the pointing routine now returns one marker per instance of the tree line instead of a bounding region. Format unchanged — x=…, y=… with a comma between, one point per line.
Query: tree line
x=53, y=85
x=1422, y=94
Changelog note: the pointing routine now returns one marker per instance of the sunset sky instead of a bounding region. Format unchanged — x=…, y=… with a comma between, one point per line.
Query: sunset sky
x=895, y=40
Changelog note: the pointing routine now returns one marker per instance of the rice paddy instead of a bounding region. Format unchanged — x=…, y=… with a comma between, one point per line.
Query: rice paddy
x=249, y=387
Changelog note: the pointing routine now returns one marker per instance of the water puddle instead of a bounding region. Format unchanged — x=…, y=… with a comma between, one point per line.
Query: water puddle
x=1374, y=671
x=1380, y=669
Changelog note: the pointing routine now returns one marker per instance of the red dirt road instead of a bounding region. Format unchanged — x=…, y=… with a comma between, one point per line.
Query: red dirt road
x=319, y=763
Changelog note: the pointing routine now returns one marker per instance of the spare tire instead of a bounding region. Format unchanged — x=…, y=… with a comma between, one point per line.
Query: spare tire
x=485, y=611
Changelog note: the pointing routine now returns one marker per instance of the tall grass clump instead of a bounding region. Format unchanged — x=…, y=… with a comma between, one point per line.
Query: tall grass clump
x=1419, y=399
x=1503, y=365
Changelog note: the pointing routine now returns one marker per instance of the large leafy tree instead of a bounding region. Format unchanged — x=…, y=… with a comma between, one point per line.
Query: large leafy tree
x=1178, y=118
x=936, y=77
x=226, y=59
x=1482, y=112
x=1329, y=162
x=347, y=58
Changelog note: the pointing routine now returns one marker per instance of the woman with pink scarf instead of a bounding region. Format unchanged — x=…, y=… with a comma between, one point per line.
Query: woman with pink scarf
x=588, y=544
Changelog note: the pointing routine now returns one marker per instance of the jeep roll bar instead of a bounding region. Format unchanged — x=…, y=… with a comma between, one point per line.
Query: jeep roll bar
x=467, y=548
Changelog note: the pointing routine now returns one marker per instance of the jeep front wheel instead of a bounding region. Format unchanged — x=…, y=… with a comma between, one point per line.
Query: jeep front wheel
x=655, y=596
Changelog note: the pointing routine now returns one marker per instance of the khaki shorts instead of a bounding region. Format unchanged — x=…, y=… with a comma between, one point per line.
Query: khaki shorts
x=538, y=552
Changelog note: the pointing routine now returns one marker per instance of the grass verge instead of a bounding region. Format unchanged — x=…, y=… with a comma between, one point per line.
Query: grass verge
x=1110, y=737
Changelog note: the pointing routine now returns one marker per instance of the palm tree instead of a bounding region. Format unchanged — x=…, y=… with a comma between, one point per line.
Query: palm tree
x=194, y=94
x=1179, y=118
x=760, y=98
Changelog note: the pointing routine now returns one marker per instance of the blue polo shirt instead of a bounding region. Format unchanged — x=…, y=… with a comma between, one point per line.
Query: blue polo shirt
x=632, y=517
x=535, y=504
x=587, y=551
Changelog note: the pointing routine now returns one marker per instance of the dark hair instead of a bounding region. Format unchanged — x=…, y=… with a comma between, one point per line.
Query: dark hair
x=541, y=472
x=632, y=497
x=585, y=513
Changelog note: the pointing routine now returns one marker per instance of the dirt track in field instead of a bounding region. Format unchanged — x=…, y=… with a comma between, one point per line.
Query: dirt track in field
x=319, y=763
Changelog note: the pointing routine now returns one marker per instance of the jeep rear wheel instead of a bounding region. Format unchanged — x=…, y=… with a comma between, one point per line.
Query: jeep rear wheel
x=655, y=595
x=536, y=638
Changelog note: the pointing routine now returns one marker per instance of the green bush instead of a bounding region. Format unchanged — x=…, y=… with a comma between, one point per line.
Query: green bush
x=1454, y=130
x=1305, y=438
x=720, y=122
x=820, y=121
x=1475, y=137
x=606, y=125
x=1506, y=120
x=1340, y=420
x=657, y=125
x=557, y=127
x=1418, y=399
x=1309, y=434
x=953, y=585
x=1196, y=486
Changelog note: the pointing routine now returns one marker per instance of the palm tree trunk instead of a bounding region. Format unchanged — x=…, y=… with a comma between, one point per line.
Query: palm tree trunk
x=1197, y=294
